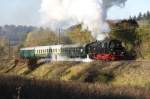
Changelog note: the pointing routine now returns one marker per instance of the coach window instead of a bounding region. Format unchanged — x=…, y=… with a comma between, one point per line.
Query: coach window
x=66, y=50
x=62, y=50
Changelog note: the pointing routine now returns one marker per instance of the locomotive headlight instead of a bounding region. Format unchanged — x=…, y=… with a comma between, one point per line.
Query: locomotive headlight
x=114, y=53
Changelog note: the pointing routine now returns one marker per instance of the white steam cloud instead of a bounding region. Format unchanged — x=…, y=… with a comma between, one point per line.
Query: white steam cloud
x=91, y=14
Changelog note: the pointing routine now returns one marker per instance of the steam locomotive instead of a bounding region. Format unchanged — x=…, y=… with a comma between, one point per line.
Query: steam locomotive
x=108, y=49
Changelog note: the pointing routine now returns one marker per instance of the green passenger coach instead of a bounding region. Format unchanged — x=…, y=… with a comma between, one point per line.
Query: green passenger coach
x=52, y=52
x=27, y=53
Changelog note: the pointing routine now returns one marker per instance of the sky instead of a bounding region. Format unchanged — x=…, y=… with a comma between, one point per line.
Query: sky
x=26, y=12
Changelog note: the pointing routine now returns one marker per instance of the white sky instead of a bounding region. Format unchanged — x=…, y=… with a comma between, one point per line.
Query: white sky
x=25, y=12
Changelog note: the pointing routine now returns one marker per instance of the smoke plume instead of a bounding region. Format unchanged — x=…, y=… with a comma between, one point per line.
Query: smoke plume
x=91, y=14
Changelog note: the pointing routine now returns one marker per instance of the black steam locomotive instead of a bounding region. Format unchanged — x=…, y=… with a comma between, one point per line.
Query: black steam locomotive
x=108, y=49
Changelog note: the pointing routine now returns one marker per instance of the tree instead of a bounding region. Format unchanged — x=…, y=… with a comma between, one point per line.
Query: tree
x=125, y=30
x=41, y=38
x=77, y=35
x=139, y=16
x=3, y=46
x=144, y=33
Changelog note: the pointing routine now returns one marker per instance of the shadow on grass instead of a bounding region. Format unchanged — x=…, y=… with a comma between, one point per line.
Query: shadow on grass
x=21, y=88
x=10, y=69
x=35, y=66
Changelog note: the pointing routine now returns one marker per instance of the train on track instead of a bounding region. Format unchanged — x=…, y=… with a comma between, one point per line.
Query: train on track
x=108, y=49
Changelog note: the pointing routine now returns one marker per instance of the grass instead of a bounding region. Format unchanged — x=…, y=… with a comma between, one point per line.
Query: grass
x=131, y=73
x=75, y=72
x=135, y=74
x=13, y=87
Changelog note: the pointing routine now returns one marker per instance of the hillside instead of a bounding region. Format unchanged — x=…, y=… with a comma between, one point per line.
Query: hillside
x=15, y=34
x=134, y=73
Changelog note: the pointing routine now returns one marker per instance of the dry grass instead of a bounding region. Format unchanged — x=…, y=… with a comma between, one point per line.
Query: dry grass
x=133, y=73
x=20, y=88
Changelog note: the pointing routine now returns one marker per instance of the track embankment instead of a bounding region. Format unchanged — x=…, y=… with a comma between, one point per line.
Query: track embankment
x=135, y=73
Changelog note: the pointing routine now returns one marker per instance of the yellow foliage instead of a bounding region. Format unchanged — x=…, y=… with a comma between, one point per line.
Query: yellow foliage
x=77, y=35
x=3, y=41
x=40, y=38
